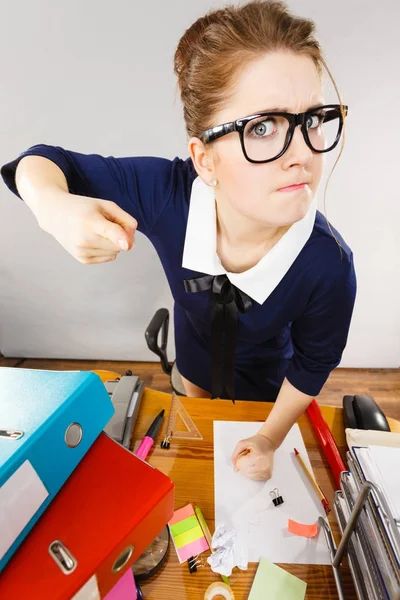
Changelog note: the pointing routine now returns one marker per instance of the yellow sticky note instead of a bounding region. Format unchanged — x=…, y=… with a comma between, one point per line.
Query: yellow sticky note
x=188, y=536
x=273, y=583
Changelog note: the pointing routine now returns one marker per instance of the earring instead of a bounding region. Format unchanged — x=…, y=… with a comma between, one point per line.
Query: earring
x=213, y=182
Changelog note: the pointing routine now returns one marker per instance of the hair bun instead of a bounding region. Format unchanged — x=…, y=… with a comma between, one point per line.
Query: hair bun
x=192, y=39
x=213, y=52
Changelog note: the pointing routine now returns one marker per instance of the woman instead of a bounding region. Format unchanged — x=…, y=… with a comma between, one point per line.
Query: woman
x=264, y=287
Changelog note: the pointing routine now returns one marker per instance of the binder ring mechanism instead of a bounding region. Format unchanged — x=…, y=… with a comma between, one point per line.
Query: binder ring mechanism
x=73, y=435
x=122, y=559
x=68, y=563
x=11, y=434
x=63, y=557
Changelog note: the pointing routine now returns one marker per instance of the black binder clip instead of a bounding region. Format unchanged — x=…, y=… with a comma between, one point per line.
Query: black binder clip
x=194, y=563
x=165, y=444
x=276, y=497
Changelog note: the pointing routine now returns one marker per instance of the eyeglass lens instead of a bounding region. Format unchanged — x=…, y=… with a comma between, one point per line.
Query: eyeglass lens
x=265, y=137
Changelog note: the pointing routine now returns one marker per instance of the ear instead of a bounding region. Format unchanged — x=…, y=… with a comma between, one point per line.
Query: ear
x=203, y=160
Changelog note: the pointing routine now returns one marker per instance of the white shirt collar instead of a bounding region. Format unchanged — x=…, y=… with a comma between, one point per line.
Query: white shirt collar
x=200, y=251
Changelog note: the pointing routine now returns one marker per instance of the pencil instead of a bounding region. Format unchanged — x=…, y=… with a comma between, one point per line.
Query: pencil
x=314, y=484
x=203, y=525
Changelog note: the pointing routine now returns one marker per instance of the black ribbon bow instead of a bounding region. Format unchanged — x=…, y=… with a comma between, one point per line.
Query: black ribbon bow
x=227, y=302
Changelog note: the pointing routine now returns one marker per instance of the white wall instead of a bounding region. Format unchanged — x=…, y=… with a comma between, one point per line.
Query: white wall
x=98, y=77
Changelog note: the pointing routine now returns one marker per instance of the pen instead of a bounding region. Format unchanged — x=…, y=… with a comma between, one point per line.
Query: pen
x=314, y=484
x=148, y=440
x=207, y=534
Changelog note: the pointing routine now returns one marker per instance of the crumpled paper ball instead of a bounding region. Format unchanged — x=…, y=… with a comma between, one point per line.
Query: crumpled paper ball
x=228, y=551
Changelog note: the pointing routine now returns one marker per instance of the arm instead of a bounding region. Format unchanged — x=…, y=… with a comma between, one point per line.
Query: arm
x=319, y=337
x=37, y=177
x=289, y=406
x=91, y=230
x=90, y=203
x=254, y=457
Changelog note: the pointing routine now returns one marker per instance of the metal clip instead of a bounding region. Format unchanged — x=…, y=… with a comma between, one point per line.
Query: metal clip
x=276, y=497
x=165, y=444
x=11, y=434
x=62, y=557
x=194, y=563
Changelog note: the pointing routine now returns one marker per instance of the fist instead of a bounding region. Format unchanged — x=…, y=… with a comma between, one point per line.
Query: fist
x=90, y=229
x=254, y=457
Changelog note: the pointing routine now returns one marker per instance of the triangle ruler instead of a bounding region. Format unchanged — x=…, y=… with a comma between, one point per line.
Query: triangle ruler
x=180, y=424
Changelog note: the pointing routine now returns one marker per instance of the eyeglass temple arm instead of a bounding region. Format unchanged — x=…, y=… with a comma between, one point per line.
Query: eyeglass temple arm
x=218, y=131
x=330, y=115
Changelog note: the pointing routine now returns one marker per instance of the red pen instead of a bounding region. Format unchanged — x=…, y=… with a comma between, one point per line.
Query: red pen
x=148, y=440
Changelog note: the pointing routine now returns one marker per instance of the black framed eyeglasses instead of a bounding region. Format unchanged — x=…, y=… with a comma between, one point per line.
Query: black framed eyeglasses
x=266, y=136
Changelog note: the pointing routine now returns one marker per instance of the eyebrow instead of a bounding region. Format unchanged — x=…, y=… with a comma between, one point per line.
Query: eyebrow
x=286, y=109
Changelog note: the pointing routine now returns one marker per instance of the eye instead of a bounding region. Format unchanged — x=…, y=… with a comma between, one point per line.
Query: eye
x=314, y=121
x=262, y=128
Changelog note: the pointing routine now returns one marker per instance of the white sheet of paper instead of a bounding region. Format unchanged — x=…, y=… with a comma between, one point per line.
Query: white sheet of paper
x=20, y=497
x=386, y=461
x=247, y=506
x=90, y=591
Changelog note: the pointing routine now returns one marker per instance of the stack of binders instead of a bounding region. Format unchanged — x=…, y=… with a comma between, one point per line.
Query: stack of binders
x=76, y=508
x=372, y=485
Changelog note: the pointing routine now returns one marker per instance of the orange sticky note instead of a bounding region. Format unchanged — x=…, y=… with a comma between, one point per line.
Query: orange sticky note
x=181, y=514
x=302, y=529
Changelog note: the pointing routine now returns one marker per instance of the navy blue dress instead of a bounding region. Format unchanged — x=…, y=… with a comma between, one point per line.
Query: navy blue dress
x=298, y=301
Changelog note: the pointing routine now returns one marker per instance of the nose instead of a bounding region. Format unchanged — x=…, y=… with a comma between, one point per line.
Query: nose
x=298, y=152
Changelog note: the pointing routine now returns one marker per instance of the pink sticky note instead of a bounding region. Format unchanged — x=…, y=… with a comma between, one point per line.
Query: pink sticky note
x=124, y=589
x=181, y=514
x=302, y=529
x=192, y=549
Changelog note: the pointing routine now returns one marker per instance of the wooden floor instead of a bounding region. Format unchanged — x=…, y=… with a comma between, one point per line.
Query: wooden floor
x=382, y=384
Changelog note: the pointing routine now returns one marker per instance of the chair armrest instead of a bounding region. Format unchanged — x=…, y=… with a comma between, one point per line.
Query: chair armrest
x=160, y=322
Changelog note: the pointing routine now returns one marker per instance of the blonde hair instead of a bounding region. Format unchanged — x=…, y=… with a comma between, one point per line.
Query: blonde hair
x=212, y=52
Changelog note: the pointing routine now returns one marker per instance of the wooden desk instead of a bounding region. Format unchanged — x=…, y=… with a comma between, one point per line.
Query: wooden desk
x=190, y=466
